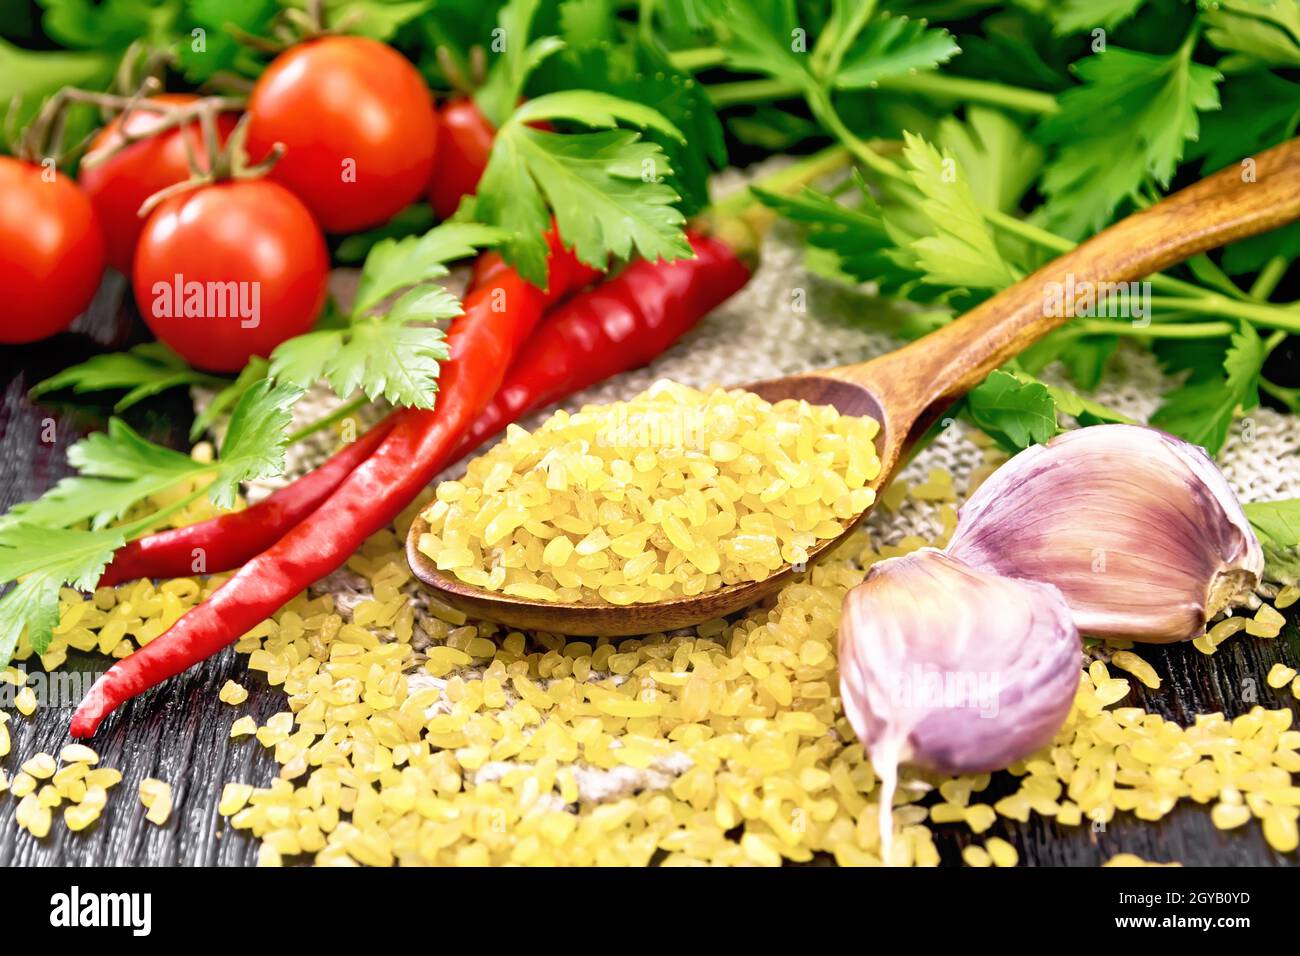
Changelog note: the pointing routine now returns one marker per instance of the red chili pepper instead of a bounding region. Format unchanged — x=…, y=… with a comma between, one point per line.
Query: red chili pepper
x=498, y=318
x=617, y=326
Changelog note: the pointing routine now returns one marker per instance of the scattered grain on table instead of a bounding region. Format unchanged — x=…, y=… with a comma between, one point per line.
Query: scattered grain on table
x=422, y=737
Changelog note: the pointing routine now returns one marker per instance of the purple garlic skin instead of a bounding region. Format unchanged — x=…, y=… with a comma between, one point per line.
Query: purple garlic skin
x=1137, y=528
x=953, y=669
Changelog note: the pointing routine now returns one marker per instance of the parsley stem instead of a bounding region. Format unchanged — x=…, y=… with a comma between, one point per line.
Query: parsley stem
x=1269, y=277
x=962, y=88
x=1168, y=330
x=750, y=91
x=1051, y=241
x=700, y=58
x=1257, y=313
x=932, y=83
x=346, y=410
x=148, y=522
x=1290, y=397
x=804, y=170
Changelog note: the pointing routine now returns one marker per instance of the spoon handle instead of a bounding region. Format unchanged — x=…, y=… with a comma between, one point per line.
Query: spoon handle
x=919, y=380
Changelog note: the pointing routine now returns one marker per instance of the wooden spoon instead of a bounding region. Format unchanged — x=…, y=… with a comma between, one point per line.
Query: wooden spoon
x=906, y=390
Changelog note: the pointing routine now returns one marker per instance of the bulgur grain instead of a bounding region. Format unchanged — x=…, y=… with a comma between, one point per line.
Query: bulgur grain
x=1139, y=668
x=25, y=702
x=78, y=754
x=156, y=795
x=41, y=766
x=232, y=693
x=1280, y=675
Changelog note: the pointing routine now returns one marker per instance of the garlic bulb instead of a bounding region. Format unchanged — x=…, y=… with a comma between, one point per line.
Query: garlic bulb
x=1137, y=528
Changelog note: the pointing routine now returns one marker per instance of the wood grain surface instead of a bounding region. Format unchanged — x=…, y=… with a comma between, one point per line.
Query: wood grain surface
x=179, y=731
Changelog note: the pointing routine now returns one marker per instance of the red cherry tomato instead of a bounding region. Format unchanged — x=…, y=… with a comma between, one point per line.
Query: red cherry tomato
x=118, y=187
x=465, y=138
x=51, y=252
x=464, y=143
x=229, y=271
x=358, y=127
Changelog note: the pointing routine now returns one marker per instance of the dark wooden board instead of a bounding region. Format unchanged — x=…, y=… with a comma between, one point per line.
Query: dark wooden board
x=179, y=732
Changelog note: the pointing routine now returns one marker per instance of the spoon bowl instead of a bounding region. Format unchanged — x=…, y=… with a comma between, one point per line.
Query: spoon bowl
x=908, y=389
x=612, y=620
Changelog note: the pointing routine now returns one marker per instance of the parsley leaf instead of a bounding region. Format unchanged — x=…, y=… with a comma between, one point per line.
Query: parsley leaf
x=641, y=72
x=1127, y=123
x=606, y=188
x=893, y=46
x=414, y=220
x=855, y=236
x=1249, y=255
x=110, y=25
x=46, y=559
x=118, y=468
x=220, y=50
x=391, y=352
x=516, y=58
x=760, y=36
x=1084, y=410
x=1201, y=410
x=144, y=371
x=250, y=375
x=1017, y=411
x=395, y=264
x=587, y=22
x=928, y=239
x=1016, y=49
x=256, y=439
x=958, y=248
x=377, y=19
x=382, y=358
x=999, y=160
x=1277, y=523
x=1077, y=16
x=1259, y=110
x=1254, y=33
x=856, y=48
x=1013, y=412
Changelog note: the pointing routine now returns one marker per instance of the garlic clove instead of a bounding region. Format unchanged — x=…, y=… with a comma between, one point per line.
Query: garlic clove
x=1137, y=528
x=952, y=669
